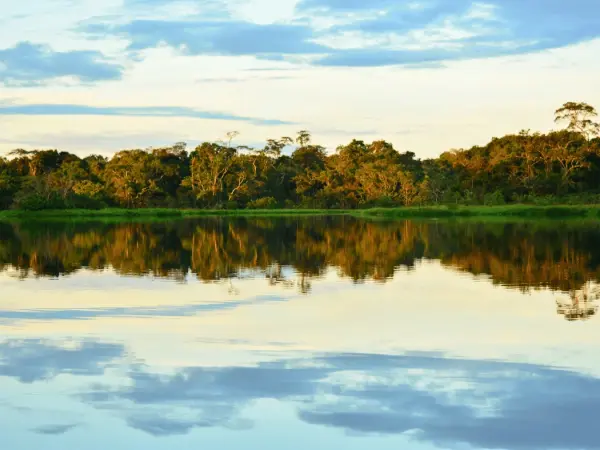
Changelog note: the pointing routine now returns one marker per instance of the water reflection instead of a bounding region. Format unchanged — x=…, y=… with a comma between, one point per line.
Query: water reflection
x=581, y=305
x=32, y=360
x=445, y=400
x=306, y=333
x=328, y=332
x=429, y=397
x=54, y=429
x=293, y=252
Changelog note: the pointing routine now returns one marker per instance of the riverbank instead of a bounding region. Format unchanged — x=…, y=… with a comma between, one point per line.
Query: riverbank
x=504, y=211
x=162, y=213
x=430, y=212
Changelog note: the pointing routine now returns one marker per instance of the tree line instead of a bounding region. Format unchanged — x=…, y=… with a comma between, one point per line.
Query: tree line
x=522, y=167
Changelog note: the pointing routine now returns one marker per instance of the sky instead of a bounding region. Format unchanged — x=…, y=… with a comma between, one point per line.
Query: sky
x=427, y=75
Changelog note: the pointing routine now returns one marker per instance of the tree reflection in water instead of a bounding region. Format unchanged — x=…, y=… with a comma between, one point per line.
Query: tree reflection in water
x=563, y=257
x=582, y=305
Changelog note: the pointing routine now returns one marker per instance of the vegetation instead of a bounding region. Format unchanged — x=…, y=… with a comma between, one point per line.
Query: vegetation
x=453, y=211
x=558, y=167
x=158, y=213
x=505, y=211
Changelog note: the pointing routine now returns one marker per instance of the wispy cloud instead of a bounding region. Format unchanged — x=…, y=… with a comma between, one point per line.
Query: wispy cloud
x=243, y=79
x=55, y=429
x=170, y=311
x=271, y=69
x=29, y=64
x=212, y=37
x=132, y=111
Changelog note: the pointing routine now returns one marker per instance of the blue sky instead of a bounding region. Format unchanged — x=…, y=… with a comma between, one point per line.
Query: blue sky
x=428, y=75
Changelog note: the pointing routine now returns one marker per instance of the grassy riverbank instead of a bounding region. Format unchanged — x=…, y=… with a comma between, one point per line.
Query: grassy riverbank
x=504, y=211
x=162, y=213
x=432, y=212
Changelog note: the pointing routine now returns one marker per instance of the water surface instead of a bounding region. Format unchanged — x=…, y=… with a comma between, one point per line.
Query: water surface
x=329, y=332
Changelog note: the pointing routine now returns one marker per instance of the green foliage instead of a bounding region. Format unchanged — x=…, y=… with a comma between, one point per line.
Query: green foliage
x=263, y=203
x=35, y=201
x=494, y=198
x=9, y=186
x=383, y=202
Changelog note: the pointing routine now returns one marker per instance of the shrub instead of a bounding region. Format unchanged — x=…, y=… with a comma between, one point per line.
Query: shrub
x=383, y=202
x=263, y=203
x=84, y=202
x=36, y=202
x=494, y=198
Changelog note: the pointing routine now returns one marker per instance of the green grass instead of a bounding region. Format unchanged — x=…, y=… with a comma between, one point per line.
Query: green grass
x=504, y=211
x=428, y=212
x=161, y=213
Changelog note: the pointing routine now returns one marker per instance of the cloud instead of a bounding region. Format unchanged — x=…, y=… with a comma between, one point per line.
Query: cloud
x=29, y=64
x=437, y=399
x=166, y=311
x=218, y=5
x=55, y=429
x=412, y=32
x=131, y=111
x=36, y=360
x=162, y=426
x=375, y=33
x=207, y=397
x=212, y=37
x=427, y=9
x=270, y=69
x=243, y=80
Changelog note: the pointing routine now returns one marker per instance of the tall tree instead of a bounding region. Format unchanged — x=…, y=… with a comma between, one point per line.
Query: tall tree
x=579, y=117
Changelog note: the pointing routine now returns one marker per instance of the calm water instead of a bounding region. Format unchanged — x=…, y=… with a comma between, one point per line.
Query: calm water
x=319, y=333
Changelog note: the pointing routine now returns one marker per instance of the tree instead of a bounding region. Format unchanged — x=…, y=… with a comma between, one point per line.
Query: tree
x=95, y=166
x=303, y=138
x=66, y=177
x=210, y=163
x=309, y=162
x=275, y=146
x=9, y=184
x=579, y=117
x=408, y=188
x=570, y=154
x=89, y=189
x=230, y=136
x=133, y=177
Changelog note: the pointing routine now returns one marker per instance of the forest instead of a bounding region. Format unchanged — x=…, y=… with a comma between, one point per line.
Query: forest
x=561, y=166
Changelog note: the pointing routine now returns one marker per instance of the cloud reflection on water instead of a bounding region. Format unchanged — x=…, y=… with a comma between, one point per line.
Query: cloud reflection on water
x=438, y=399
x=32, y=360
